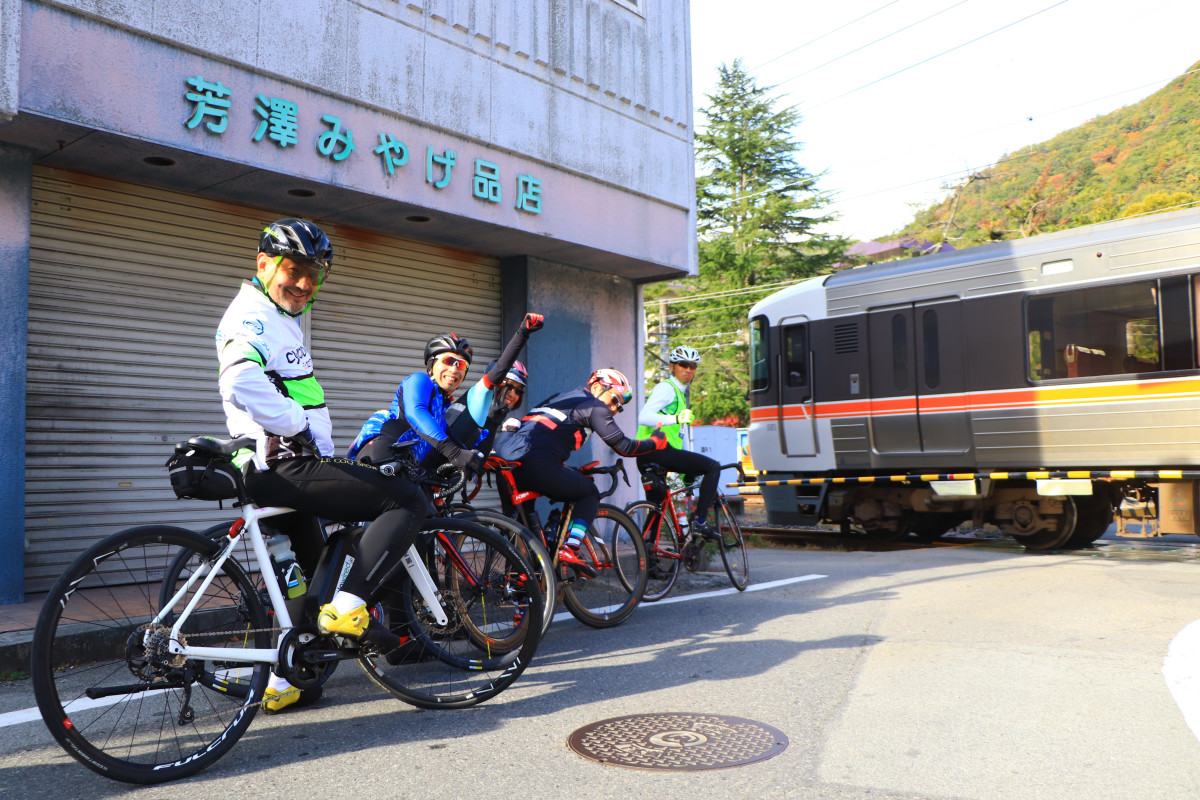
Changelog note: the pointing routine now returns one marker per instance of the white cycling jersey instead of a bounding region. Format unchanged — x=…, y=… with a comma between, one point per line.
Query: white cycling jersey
x=266, y=381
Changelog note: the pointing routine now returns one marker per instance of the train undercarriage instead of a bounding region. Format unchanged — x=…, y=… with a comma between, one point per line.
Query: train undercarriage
x=1039, y=514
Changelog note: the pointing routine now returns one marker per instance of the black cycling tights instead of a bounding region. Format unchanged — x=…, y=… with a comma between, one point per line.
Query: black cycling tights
x=689, y=464
x=555, y=480
x=340, y=490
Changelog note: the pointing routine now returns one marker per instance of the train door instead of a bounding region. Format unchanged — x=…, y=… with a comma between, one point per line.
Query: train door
x=796, y=417
x=916, y=370
x=892, y=360
x=942, y=406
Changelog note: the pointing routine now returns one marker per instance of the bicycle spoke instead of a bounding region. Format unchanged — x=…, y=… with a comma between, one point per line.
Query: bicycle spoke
x=109, y=689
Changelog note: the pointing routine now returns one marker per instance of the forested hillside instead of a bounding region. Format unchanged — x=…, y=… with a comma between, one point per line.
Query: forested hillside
x=1144, y=157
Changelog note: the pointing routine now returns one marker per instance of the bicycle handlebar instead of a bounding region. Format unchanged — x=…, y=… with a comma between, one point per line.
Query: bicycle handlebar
x=611, y=471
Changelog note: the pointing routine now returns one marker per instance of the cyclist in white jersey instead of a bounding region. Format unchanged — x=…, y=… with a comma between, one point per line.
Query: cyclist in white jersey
x=270, y=392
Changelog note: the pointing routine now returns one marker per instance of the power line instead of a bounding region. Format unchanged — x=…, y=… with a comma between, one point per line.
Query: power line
x=710, y=310
x=722, y=293
x=939, y=55
x=944, y=142
x=823, y=35
x=1018, y=157
x=869, y=44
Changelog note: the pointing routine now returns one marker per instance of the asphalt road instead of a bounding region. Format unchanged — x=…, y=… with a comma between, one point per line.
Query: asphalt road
x=943, y=673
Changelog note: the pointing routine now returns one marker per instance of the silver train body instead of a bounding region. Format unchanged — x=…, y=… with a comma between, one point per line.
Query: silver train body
x=1038, y=384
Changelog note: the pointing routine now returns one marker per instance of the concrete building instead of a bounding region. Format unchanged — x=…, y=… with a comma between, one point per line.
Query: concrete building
x=470, y=159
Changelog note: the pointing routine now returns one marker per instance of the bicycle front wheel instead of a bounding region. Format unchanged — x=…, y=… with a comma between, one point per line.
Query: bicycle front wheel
x=732, y=545
x=494, y=619
x=613, y=547
x=530, y=546
x=106, y=684
x=662, y=548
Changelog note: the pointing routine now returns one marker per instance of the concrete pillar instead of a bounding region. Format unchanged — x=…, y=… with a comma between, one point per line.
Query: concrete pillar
x=16, y=182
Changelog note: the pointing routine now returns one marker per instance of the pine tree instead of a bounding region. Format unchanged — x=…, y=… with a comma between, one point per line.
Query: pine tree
x=757, y=208
x=758, y=211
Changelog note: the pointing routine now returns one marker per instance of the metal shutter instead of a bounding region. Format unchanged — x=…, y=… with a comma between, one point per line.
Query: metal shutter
x=127, y=284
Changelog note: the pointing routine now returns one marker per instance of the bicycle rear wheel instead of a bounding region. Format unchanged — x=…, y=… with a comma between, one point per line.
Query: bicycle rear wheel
x=613, y=547
x=662, y=548
x=494, y=611
x=732, y=545
x=530, y=546
x=107, y=687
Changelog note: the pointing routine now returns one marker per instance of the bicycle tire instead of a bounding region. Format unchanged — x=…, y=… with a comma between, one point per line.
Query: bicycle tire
x=529, y=545
x=93, y=675
x=662, y=549
x=732, y=545
x=445, y=666
x=613, y=547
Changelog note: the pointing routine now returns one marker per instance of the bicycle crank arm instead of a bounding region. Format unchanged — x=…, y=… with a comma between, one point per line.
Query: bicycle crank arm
x=424, y=584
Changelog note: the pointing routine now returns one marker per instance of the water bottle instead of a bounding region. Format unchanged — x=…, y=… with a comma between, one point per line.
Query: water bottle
x=291, y=577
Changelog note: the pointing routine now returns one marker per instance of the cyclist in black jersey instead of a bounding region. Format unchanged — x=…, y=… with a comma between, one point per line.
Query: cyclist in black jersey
x=559, y=426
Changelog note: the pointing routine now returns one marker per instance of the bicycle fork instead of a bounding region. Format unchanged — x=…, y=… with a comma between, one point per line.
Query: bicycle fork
x=423, y=583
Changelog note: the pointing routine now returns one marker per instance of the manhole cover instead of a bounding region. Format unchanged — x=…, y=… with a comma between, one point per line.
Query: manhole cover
x=677, y=741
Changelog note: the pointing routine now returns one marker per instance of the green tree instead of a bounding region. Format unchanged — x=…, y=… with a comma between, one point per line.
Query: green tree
x=758, y=215
x=757, y=209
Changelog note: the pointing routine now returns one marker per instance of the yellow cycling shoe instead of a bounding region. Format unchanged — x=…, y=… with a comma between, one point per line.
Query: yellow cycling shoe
x=276, y=700
x=352, y=623
x=357, y=624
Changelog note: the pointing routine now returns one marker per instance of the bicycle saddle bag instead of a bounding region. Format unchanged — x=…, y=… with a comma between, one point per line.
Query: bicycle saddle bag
x=202, y=476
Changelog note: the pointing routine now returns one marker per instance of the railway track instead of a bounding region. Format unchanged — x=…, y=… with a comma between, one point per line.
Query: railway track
x=1158, y=549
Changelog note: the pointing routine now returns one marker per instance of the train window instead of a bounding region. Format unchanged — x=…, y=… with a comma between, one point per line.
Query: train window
x=1098, y=330
x=900, y=349
x=931, y=348
x=1178, y=322
x=795, y=355
x=760, y=373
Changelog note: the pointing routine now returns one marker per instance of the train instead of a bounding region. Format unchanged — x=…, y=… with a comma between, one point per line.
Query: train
x=1045, y=385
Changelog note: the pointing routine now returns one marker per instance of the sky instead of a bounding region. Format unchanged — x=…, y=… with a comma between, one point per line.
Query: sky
x=899, y=98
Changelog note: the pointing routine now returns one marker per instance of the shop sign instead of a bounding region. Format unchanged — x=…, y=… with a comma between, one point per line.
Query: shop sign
x=278, y=121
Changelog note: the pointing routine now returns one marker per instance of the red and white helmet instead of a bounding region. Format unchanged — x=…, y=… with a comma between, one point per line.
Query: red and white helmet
x=612, y=379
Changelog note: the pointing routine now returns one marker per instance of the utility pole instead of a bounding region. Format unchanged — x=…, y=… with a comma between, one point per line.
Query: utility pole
x=664, y=342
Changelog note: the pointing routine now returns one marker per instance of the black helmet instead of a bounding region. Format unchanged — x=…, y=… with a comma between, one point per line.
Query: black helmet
x=447, y=343
x=299, y=240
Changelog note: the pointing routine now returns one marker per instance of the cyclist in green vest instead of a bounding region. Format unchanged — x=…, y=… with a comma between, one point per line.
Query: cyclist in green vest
x=667, y=408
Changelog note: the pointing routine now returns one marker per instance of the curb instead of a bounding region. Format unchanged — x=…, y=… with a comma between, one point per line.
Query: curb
x=15, y=647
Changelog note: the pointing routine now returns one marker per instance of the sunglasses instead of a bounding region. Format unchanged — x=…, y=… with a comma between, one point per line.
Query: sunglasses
x=453, y=362
x=315, y=271
x=513, y=387
x=686, y=365
x=612, y=393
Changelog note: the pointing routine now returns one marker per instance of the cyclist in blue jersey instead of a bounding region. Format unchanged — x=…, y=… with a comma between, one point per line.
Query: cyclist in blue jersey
x=418, y=411
x=270, y=393
x=557, y=427
x=667, y=409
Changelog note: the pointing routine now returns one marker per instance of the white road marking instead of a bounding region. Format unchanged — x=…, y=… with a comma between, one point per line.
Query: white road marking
x=32, y=714
x=1181, y=668
x=754, y=587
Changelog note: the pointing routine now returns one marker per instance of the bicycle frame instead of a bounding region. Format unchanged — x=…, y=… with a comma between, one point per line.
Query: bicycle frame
x=250, y=517
x=665, y=507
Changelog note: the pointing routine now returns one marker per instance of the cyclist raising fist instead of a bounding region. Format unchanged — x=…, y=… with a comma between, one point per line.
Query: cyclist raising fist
x=418, y=411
